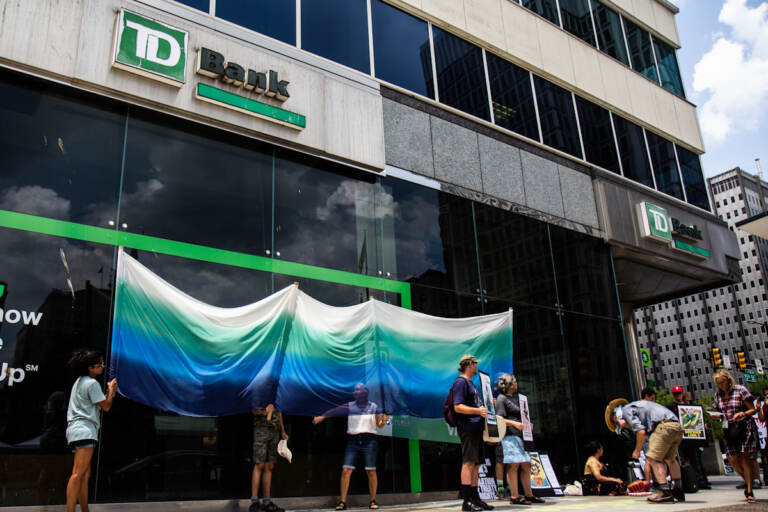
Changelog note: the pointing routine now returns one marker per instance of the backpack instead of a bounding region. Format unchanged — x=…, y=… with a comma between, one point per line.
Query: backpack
x=448, y=412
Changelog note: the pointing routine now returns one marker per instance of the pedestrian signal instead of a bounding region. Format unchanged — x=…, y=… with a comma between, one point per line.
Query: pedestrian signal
x=742, y=359
x=716, y=359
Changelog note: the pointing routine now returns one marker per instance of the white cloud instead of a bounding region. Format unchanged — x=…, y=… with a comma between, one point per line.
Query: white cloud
x=35, y=200
x=732, y=74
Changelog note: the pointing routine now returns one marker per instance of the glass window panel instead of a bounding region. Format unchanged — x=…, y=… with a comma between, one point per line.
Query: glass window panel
x=401, y=49
x=546, y=8
x=597, y=134
x=460, y=74
x=668, y=68
x=558, y=117
x=585, y=282
x=693, y=178
x=434, y=238
x=577, y=20
x=60, y=153
x=273, y=19
x=512, y=96
x=202, y=5
x=62, y=308
x=515, y=262
x=325, y=214
x=610, y=37
x=336, y=30
x=640, y=50
x=178, y=175
x=664, y=165
x=632, y=151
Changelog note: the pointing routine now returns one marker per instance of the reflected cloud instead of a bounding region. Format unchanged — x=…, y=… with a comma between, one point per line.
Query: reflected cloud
x=35, y=200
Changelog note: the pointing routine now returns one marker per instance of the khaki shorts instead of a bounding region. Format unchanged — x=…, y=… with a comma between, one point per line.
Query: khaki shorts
x=664, y=441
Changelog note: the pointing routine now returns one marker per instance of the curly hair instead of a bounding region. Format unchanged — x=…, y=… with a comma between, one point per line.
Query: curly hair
x=505, y=382
x=725, y=374
x=82, y=359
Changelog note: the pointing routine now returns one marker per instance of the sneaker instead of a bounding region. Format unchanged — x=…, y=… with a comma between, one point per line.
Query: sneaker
x=255, y=507
x=272, y=507
x=662, y=497
x=678, y=493
x=470, y=506
x=483, y=505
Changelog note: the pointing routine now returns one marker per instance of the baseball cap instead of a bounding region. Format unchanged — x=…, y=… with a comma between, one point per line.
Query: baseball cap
x=677, y=389
x=468, y=357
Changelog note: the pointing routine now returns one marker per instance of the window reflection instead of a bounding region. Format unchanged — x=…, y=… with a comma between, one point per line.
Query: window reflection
x=597, y=133
x=545, y=8
x=693, y=178
x=460, y=74
x=634, y=156
x=670, y=72
x=640, y=50
x=512, y=97
x=273, y=19
x=202, y=5
x=178, y=176
x=577, y=19
x=336, y=30
x=401, y=49
x=610, y=36
x=664, y=165
x=558, y=117
x=60, y=153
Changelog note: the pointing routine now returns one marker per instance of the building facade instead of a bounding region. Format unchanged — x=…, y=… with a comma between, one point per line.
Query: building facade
x=457, y=158
x=680, y=334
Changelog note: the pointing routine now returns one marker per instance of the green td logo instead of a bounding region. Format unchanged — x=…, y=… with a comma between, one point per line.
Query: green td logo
x=645, y=357
x=150, y=48
x=656, y=222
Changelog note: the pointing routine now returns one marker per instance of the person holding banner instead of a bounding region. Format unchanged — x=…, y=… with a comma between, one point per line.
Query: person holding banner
x=515, y=457
x=268, y=429
x=470, y=423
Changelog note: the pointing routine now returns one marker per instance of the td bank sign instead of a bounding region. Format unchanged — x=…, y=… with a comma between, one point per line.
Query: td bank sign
x=657, y=224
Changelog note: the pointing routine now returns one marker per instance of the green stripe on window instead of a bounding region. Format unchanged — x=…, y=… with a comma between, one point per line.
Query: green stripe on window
x=250, y=106
x=698, y=251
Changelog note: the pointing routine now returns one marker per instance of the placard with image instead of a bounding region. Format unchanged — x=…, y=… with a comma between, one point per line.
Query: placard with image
x=486, y=392
x=692, y=421
x=525, y=415
x=539, y=479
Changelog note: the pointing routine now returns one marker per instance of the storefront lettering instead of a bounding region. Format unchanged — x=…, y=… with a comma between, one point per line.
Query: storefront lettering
x=14, y=374
x=213, y=64
x=685, y=230
x=14, y=316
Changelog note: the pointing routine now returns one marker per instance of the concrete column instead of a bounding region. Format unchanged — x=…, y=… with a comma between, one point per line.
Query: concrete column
x=636, y=372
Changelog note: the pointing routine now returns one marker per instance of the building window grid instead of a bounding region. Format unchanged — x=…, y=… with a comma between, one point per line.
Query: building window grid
x=212, y=11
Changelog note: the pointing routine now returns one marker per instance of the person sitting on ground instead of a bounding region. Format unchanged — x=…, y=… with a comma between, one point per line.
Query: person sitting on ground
x=594, y=483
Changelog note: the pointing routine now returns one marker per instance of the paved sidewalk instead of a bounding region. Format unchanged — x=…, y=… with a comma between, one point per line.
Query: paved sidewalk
x=723, y=496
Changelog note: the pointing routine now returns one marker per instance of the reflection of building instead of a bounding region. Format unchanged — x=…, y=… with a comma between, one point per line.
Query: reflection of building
x=230, y=204
x=681, y=333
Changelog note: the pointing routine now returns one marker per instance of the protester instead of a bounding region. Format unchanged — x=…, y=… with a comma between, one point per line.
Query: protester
x=83, y=421
x=470, y=423
x=648, y=393
x=268, y=429
x=662, y=428
x=363, y=418
x=735, y=403
x=689, y=448
x=594, y=482
x=762, y=416
x=515, y=458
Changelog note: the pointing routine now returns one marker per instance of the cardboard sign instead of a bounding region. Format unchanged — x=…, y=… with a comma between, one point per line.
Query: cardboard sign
x=525, y=415
x=692, y=421
x=539, y=478
x=486, y=485
x=550, y=472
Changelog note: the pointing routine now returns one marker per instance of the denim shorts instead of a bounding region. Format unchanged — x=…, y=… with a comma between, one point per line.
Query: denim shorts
x=365, y=445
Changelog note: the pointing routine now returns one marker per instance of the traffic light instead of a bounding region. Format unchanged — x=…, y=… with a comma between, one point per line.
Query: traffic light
x=742, y=359
x=716, y=359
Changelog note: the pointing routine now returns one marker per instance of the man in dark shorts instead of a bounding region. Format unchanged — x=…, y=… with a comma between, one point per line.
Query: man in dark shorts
x=470, y=419
x=268, y=429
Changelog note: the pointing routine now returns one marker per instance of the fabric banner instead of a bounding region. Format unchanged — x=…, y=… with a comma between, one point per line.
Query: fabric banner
x=173, y=352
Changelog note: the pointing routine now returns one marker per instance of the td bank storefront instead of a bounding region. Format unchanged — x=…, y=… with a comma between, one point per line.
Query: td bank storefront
x=231, y=189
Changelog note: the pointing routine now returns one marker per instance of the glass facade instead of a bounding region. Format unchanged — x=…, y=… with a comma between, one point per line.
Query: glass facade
x=512, y=97
x=632, y=151
x=336, y=30
x=545, y=8
x=610, y=35
x=458, y=257
x=640, y=51
x=577, y=19
x=693, y=178
x=668, y=68
x=557, y=115
x=597, y=133
x=273, y=19
x=664, y=165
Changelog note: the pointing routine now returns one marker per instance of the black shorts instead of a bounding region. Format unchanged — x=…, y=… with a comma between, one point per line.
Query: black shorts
x=471, y=447
x=82, y=443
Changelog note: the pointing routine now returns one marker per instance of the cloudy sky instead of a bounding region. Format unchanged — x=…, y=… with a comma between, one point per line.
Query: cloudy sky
x=724, y=62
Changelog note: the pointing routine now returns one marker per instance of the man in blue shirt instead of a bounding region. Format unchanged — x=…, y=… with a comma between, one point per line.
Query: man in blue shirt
x=470, y=420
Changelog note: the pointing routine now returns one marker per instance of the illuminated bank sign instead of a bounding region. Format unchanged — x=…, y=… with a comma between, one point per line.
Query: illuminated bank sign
x=657, y=224
x=150, y=48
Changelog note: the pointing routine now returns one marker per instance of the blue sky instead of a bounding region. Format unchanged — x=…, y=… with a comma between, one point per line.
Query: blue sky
x=724, y=63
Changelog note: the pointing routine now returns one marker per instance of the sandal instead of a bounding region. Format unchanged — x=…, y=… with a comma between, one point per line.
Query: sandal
x=520, y=500
x=341, y=505
x=535, y=499
x=750, y=497
x=373, y=505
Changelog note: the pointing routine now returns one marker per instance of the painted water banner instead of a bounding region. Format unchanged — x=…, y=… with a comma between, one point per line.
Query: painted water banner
x=173, y=352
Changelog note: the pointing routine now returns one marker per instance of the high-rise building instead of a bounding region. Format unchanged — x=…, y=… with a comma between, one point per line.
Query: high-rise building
x=458, y=158
x=680, y=334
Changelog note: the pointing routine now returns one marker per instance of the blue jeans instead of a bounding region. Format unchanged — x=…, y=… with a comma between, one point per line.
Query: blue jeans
x=366, y=445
